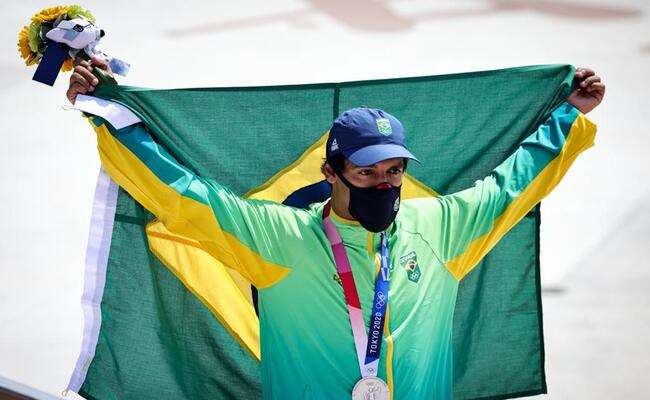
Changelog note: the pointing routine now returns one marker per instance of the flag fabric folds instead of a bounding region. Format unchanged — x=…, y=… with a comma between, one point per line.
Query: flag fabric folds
x=166, y=320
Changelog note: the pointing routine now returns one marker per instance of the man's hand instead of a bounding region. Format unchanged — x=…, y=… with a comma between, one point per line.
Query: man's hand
x=590, y=90
x=82, y=80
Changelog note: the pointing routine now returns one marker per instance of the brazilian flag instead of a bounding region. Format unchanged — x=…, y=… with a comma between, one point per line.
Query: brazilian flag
x=153, y=331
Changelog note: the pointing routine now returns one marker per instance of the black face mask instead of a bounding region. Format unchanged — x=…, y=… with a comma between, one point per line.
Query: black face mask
x=375, y=208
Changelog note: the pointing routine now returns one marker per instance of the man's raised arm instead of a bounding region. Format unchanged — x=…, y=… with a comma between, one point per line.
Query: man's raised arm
x=469, y=223
x=244, y=235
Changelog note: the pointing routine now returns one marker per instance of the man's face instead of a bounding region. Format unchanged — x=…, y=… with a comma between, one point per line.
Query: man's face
x=386, y=171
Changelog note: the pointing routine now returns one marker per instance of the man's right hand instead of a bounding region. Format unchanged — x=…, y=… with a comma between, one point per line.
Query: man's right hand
x=82, y=80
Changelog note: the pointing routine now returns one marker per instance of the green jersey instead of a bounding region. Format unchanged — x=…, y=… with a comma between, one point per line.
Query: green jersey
x=307, y=347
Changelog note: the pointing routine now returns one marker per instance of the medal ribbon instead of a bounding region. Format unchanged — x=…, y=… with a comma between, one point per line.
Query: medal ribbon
x=368, y=345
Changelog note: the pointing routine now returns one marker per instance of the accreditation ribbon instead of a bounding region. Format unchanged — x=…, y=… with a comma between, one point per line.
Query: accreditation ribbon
x=368, y=345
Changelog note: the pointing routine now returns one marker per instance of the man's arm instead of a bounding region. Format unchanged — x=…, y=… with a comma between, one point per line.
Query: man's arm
x=469, y=223
x=246, y=235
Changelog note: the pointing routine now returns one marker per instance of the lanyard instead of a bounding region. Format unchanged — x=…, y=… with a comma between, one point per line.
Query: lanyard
x=368, y=345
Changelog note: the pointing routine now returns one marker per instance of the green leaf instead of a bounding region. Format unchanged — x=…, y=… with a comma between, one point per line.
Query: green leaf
x=33, y=35
x=75, y=11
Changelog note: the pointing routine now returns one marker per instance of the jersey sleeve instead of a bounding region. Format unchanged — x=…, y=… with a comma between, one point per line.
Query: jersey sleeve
x=250, y=236
x=469, y=223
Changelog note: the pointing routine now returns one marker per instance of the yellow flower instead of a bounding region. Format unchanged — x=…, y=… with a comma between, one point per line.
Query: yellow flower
x=67, y=65
x=49, y=14
x=32, y=59
x=23, y=43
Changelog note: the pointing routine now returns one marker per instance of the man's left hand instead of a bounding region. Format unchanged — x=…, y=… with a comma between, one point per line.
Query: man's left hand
x=589, y=90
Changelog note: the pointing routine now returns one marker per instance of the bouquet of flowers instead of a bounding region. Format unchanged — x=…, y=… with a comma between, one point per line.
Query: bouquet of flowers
x=56, y=36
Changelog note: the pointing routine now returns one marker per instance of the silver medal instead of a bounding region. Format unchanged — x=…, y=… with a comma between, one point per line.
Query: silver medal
x=371, y=388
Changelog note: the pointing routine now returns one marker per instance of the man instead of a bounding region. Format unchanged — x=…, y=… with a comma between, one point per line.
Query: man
x=322, y=340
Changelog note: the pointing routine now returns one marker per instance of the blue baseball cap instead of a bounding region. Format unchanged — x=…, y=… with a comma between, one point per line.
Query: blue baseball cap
x=366, y=136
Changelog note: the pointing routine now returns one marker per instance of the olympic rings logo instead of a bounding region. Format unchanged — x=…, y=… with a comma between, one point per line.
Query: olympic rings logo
x=381, y=299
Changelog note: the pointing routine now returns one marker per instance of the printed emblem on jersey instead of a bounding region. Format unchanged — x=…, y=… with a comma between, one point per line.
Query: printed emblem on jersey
x=409, y=262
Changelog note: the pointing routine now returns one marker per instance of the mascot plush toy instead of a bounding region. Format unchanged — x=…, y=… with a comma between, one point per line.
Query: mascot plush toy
x=58, y=35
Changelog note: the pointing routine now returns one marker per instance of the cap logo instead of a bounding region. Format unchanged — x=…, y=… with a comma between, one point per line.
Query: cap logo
x=334, y=146
x=383, y=125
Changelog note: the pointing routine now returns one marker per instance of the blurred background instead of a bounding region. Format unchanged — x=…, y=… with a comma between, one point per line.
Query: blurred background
x=596, y=225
